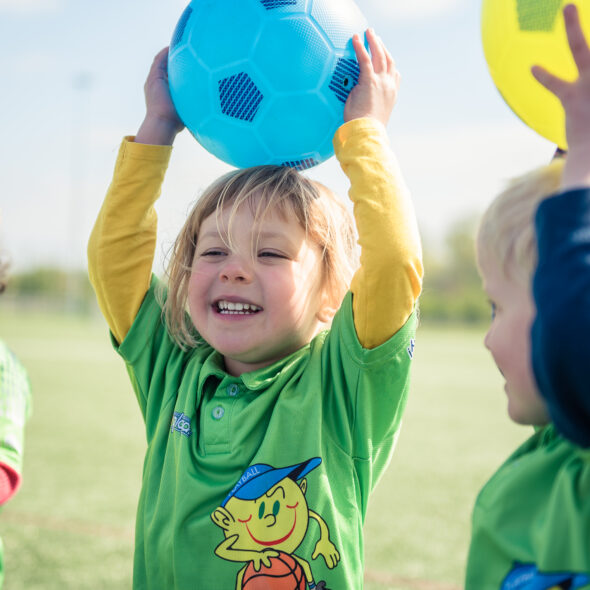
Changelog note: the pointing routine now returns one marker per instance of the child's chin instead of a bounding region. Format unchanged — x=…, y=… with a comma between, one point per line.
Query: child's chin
x=526, y=416
x=516, y=413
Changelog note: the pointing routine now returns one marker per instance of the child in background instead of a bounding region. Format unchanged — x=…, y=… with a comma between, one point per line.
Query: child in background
x=531, y=521
x=15, y=403
x=271, y=384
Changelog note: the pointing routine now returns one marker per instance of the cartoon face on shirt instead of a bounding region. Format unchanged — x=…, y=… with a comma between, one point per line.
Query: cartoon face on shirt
x=265, y=519
x=276, y=520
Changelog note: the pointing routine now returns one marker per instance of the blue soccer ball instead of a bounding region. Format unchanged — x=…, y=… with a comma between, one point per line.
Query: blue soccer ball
x=265, y=81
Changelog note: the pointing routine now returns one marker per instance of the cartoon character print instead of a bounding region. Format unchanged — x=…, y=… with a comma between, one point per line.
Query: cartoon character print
x=264, y=520
x=528, y=577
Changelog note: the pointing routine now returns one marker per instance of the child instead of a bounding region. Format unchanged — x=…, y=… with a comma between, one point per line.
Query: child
x=531, y=521
x=15, y=394
x=272, y=397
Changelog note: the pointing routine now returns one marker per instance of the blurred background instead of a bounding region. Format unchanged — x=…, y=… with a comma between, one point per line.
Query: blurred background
x=73, y=74
x=73, y=87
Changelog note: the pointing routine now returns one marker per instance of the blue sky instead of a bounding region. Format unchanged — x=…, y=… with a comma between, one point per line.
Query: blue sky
x=73, y=86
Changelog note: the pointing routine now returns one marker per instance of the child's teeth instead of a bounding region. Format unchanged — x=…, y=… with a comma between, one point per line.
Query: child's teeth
x=237, y=307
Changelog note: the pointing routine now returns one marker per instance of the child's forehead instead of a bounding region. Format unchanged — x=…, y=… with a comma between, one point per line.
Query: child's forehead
x=500, y=278
x=256, y=214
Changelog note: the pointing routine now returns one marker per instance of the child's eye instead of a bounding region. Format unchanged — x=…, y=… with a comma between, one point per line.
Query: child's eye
x=271, y=254
x=493, y=309
x=213, y=252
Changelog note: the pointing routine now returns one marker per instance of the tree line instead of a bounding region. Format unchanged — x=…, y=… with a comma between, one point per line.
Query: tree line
x=452, y=290
x=451, y=293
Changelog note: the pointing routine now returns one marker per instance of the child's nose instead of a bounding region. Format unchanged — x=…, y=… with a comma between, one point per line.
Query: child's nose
x=487, y=339
x=236, y=269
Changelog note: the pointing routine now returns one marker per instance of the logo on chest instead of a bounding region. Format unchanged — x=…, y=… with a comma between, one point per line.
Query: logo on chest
x=181, y=423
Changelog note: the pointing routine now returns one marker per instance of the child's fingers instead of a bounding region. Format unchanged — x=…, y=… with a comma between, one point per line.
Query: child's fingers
x=362, y=55
x=576, y=39
x=159, y=66
x=391, y=68
x=163, y=52
x=161, y=58
x=378, y=58
x=553, y=83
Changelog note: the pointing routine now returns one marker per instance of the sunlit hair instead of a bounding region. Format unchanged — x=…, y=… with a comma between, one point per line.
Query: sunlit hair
x=506, y=233
x=279, y=189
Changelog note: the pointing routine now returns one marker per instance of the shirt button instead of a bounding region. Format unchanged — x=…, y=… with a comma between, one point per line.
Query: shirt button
x=232, y=390
x=218, y=413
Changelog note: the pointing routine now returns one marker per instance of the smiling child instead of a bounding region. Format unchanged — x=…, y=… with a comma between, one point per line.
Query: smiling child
x=272, y=370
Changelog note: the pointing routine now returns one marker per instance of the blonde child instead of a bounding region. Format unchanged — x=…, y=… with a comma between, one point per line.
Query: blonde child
x=271, y=383
x=531, y=521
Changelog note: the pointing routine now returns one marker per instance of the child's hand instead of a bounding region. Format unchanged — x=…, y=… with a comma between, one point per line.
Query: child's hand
x=161, y=123
x=376, y=90
x=575, y=98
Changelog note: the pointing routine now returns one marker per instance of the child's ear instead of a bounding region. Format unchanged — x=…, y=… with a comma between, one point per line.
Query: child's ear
x=327, y=309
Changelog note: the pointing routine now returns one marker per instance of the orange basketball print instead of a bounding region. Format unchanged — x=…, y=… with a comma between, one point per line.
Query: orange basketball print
x=284, y=573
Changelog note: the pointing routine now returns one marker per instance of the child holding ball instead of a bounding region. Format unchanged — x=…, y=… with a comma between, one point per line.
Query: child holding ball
x=531, y=521
x=272, y=370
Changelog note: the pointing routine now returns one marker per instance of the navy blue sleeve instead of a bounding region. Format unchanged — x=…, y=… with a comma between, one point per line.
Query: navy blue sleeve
x=561, y=330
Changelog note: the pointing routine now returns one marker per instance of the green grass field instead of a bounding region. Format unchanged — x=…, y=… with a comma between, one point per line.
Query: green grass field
x=71, y=524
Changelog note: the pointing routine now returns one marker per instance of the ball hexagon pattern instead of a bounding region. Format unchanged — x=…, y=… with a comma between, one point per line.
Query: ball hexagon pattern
x=264, y=81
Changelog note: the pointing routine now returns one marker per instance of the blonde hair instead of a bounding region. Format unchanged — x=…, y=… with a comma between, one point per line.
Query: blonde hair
x=321, y=214
x=506, y=232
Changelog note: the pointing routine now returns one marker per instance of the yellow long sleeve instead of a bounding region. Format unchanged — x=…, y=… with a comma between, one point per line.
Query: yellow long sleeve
x=122, y=244
x=387, y=284
x=385, y=288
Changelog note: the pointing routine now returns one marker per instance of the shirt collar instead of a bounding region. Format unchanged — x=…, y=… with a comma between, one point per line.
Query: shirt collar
x=260, y=378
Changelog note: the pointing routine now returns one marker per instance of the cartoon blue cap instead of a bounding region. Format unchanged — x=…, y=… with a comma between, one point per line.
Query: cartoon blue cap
x=259, y=478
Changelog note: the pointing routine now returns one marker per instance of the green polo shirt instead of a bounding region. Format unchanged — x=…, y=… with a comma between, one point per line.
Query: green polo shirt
x=210, y=434
x=531, y=521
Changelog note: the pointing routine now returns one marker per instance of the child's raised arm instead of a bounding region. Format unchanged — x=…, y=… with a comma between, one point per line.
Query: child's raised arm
x=575, y=97
x=388, y=282
x=122, y=244
x=561, y=285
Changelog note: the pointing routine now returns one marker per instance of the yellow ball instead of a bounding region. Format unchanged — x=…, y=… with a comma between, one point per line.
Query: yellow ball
x=518, y=34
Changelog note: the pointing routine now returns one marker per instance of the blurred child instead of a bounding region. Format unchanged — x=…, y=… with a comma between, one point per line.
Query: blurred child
x=531, y=521
x=271, y=384
x=15, y=404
